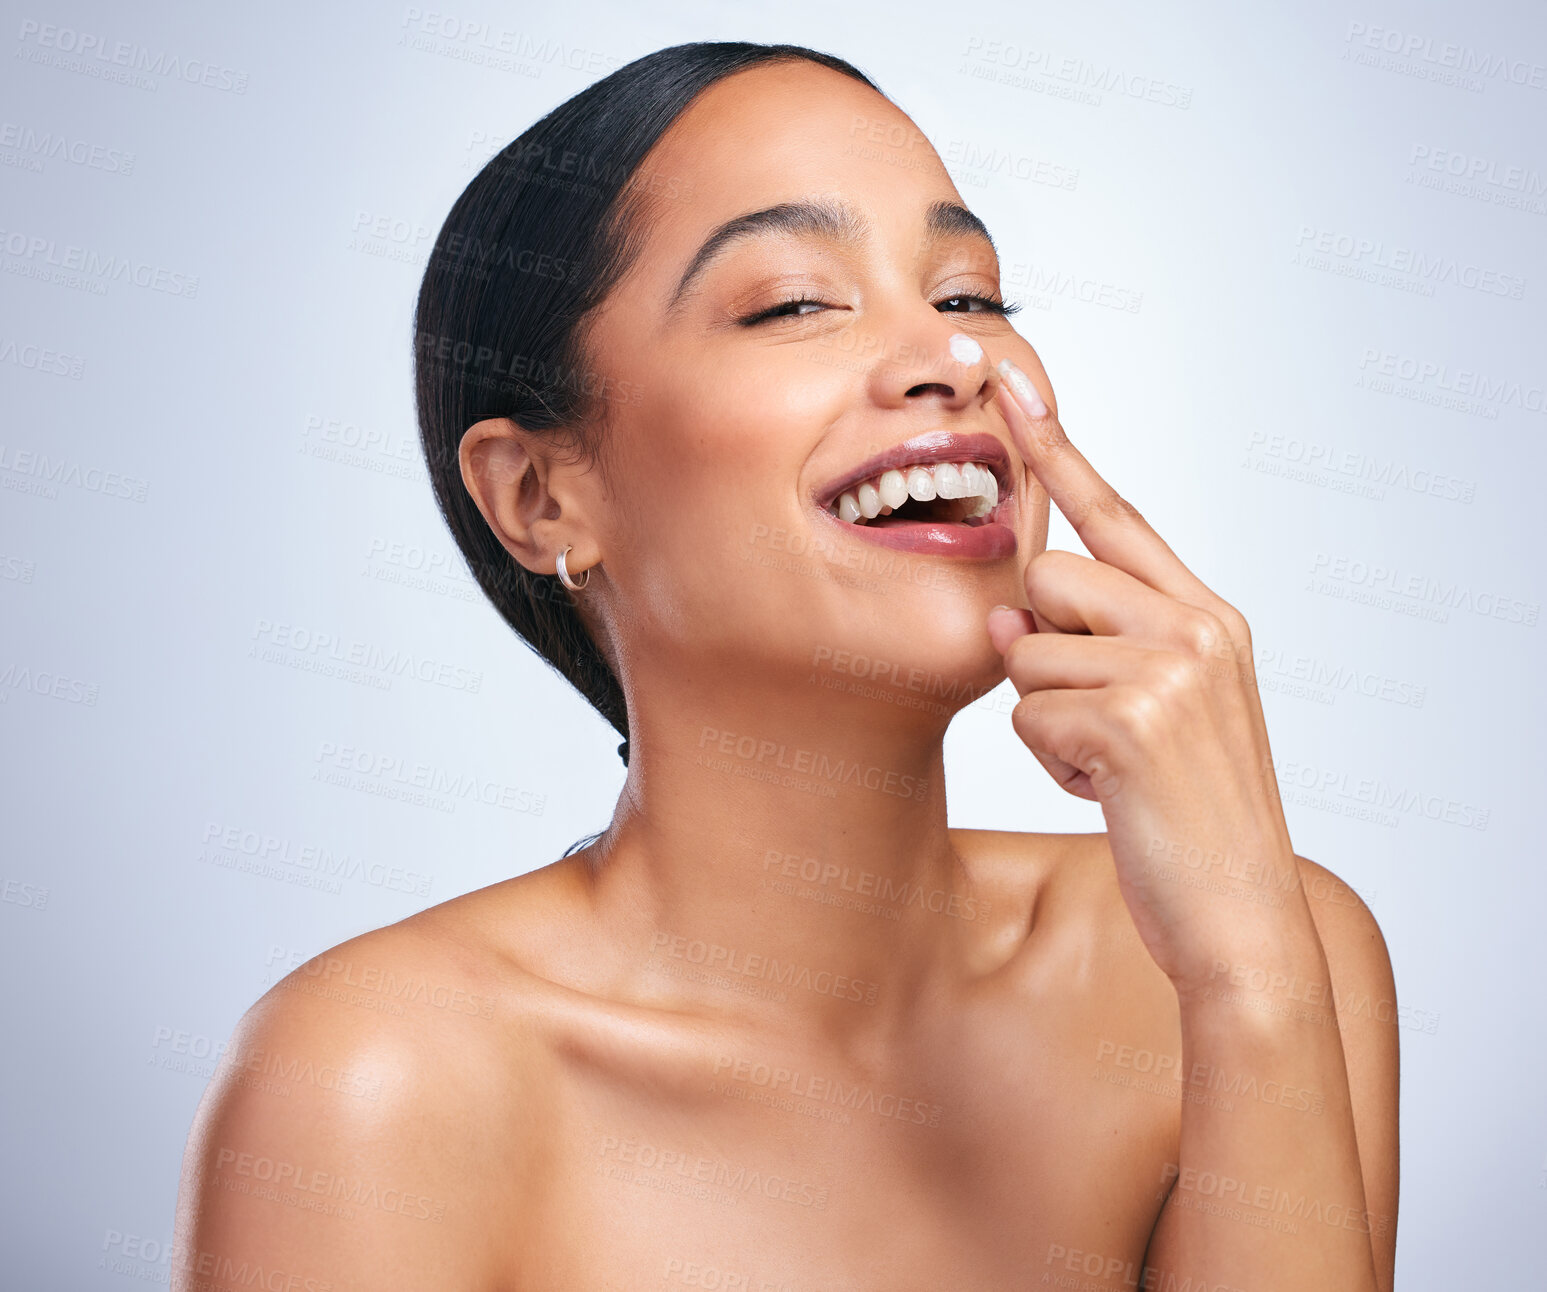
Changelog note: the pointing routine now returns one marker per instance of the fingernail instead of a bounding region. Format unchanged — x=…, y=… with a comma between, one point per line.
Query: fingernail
x=1020, y=384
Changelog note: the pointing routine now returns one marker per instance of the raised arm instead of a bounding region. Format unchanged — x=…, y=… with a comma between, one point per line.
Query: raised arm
x=1139, y=693
x=1296, y=1172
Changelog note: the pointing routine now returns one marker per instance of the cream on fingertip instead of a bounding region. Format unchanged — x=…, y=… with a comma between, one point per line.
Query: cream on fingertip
x=1020, y=385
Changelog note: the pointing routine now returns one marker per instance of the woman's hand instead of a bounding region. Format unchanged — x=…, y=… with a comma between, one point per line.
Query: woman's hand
x=1139, y=692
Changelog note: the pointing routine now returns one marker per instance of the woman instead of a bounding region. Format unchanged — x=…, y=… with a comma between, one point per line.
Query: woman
x=720, y=399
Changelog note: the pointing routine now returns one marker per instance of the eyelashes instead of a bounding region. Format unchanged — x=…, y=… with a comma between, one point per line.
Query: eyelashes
x=990, y=304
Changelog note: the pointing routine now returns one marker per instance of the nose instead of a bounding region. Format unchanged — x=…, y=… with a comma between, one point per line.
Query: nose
x=947, y=366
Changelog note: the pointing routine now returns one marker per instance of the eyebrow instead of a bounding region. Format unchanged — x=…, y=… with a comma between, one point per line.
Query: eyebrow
x=835, y=221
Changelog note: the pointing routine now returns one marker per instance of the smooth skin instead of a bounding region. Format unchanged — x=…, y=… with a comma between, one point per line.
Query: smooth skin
x=794, y=1034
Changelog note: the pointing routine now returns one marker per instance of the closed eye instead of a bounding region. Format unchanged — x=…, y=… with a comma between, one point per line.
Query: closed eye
x=989, y=304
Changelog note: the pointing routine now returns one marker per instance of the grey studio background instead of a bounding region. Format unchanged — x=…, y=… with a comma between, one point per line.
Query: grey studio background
x=1285, y=269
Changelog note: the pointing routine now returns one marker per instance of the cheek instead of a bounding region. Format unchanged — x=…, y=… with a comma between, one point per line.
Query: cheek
x=708, y=531
x=702, y=491
x=726, y=445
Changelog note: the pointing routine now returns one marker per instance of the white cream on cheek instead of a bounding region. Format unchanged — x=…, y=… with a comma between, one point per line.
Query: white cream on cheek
x=964, y=349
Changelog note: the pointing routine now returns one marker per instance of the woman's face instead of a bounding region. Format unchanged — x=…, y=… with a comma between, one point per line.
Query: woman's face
x=721, y=516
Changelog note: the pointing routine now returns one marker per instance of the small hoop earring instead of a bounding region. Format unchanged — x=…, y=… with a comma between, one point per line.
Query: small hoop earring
x=563, y=564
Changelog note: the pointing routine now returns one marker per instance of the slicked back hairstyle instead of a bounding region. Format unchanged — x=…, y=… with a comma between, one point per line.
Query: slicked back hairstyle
x=533, y=245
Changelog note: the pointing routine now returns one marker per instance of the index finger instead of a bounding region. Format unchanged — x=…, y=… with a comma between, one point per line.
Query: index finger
x=1110, y=527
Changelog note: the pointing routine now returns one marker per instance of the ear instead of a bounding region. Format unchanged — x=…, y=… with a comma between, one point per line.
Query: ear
x=523, y=494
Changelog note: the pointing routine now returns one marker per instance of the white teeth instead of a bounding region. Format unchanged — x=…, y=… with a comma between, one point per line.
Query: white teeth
x=989, y=497
x=893, y=487
x=952, y=481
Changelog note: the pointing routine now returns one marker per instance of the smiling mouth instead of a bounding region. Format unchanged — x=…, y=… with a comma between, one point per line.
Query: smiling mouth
x=943, y=493
x=939, y=493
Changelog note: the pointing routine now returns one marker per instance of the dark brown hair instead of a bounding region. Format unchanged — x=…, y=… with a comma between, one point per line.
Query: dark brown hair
x=533, y=245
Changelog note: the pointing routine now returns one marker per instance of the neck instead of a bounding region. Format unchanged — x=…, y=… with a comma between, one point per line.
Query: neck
x=783, y=857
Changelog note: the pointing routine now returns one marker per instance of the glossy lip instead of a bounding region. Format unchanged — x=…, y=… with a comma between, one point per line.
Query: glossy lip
x=925, y=450
x=992, y=539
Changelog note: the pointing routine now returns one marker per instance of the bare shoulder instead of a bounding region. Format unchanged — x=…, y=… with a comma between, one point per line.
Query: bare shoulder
x=1361, y=991
x=366, y=1118
x=1349, y=933
x=1075, y=875
x=1361, y=987
x=1070, y=872
x=1059, y=894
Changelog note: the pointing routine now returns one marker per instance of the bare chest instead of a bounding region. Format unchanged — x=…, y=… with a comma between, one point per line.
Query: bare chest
x=985, y=1168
